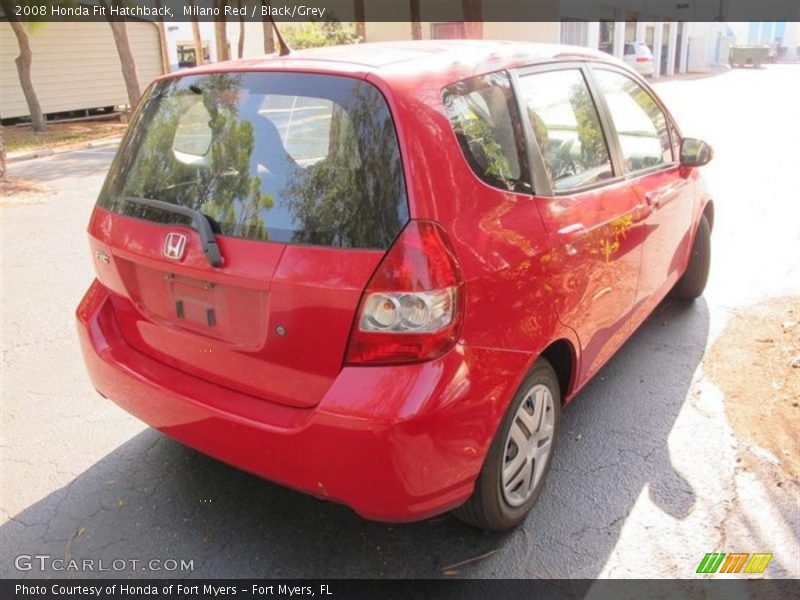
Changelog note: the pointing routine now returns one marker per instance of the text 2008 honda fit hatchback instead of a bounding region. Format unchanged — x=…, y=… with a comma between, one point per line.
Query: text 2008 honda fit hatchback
x=376, y=273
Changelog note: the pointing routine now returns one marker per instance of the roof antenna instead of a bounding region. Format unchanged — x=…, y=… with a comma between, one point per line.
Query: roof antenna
x=285, y=50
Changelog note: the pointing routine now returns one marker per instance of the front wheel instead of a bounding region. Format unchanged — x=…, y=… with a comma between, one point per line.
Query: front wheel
x=693, y=282
x=519, y=458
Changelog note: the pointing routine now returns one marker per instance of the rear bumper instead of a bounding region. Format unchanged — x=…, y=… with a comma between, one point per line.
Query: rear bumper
x=394, y=443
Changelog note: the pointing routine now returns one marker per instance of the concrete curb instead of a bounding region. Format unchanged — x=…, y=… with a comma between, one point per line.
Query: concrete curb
x=12, y=157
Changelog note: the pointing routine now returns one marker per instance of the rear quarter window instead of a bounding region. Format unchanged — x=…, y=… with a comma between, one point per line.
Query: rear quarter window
x=484, y=117
x=286, y=157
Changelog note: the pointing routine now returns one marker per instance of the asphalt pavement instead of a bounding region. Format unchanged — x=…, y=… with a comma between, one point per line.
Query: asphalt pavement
x=644, y=482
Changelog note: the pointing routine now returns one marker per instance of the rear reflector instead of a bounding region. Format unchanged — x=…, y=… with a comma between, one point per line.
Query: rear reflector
x=643, y=59
x=412, y=307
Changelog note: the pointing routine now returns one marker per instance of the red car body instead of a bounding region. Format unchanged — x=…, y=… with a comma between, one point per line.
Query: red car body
x=569, y=277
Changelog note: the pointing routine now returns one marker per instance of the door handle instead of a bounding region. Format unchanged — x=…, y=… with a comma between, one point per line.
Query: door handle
x=569, y=234
x=655, y=199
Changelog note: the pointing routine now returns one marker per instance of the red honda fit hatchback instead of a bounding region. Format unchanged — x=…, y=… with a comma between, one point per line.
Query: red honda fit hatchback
x=376, y=273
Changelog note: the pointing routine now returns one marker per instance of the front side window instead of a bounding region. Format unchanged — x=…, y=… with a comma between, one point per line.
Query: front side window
x=286, y=157
x=567, y=128
x=484, y=116
x=640, y=123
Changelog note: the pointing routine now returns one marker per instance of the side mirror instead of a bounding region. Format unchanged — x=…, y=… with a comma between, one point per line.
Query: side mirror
x=695, y=153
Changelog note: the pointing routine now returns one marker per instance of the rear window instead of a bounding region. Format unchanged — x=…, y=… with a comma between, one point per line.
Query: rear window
x=285, y=157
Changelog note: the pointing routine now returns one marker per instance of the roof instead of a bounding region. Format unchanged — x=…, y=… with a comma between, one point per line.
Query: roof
x=450, y=59
x=384, y=54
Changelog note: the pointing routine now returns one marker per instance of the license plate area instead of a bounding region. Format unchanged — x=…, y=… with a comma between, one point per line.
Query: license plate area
x=233, y=315
x=196, y=302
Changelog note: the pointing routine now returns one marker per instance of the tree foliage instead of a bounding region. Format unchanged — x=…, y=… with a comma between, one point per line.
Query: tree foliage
x=313, y=34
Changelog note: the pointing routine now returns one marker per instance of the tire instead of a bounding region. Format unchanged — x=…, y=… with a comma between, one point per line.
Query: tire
x=693, y=282
x=489, y=507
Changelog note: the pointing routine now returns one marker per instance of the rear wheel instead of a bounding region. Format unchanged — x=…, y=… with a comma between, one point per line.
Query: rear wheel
x=693, y=282
x=519, y=458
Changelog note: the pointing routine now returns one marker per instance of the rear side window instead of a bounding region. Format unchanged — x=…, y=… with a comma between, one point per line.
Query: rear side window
x=485, y=119
x=286, y=157
x=567, y=128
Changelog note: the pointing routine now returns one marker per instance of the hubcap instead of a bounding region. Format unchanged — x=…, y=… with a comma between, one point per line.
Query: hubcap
x=528, y=446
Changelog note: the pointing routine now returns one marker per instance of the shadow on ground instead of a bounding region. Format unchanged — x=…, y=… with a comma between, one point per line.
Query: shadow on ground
x=153, y=498
x=77, y=164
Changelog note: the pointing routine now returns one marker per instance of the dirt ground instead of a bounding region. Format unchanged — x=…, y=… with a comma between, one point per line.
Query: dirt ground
x=21, y=189
x=756, y=363
x=60, y=135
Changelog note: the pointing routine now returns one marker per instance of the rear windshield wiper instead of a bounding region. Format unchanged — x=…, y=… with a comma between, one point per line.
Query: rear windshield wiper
x=201, y=223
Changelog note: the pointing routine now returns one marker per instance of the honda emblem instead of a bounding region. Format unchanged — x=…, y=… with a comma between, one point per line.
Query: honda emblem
x=174, y=245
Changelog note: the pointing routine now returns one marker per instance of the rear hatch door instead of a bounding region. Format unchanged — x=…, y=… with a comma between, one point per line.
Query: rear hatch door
x=298, y=177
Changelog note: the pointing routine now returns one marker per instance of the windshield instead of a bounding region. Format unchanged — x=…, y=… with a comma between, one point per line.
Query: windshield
x=285, y=157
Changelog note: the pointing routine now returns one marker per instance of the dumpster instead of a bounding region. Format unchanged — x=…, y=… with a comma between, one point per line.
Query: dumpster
x=753, y=55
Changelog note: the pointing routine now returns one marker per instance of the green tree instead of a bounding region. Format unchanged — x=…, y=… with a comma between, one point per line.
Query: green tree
x=326, y=32
x=128, y=64
x=24, y=63
x=3, y=162
x=416, y=19
x=221, y=34
x=162, y=40
x=199, y=51
x=240, y=44
x=359, y=15
x=266, y=29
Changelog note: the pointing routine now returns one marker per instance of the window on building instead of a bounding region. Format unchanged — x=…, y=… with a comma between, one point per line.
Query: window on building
x=187, y=57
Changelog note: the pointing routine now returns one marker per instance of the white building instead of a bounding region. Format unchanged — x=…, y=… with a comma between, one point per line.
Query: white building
x=677, y=46
x=75, y=66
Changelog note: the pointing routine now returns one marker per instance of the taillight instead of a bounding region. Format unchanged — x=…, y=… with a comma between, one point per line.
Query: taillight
x=414, y=304
x=643, y=59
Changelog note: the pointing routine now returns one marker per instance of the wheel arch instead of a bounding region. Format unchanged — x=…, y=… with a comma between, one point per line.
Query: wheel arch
x=562, y=355
x=708, y=213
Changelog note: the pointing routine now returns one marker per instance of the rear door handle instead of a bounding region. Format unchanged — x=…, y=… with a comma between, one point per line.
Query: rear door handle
x=569, y=234
x=655, y=198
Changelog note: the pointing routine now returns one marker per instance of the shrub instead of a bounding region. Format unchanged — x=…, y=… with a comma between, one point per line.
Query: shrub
x=314, y=34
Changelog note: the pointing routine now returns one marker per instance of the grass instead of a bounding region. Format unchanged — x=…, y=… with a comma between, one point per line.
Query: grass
x=60, y=135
